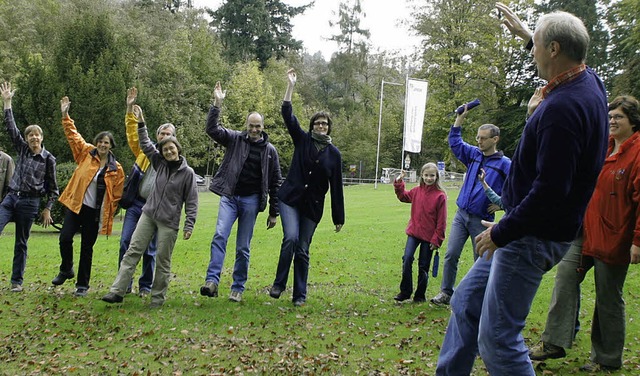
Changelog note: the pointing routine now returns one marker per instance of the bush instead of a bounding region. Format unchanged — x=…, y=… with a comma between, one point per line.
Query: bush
x=64, y=172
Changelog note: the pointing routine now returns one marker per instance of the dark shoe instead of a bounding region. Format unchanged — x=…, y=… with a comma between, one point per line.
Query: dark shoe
x=235, y=296
x=275, y=292
x=441, y=299
x=112, y=298
x=401, y=297
x=81, y=291
x=544, y=351
x=156, y=305
x=299, y=302
x=209, y=289
x=419, y=300
x=595, y=367
x=144, y=293
x=61, y=278
x=15, y=287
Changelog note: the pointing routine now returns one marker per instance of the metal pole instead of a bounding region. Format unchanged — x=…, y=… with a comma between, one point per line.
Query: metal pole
x=375, y=184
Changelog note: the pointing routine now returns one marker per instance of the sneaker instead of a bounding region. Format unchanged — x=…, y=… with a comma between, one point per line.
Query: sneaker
x=543, y=351
x=209, y=289
x=299, y=302
x=144, y=293
x=16, y=287
x=81, y=291
x=596, y=367
x=401, y=297
x=61, y=278
x=112, y=298
x=275, y=292
x=235, y=296
x=441, y=299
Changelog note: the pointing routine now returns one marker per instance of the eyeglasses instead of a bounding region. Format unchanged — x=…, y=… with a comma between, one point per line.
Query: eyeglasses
x=616, y=117
x=482, y=138
x=323, y=123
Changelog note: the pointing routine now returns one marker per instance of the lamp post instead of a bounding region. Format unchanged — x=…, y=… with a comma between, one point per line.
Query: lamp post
x=375, y=184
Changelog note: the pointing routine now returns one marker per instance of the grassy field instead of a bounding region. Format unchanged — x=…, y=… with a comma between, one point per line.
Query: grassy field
x=350, y=324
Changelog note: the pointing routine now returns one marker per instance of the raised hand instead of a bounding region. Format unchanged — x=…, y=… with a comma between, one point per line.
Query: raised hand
x=514, y=24
x=291, y=76
x=7, y=94
x=65, y=103
x=132, y=94
x=137, y=111
x=218, y=94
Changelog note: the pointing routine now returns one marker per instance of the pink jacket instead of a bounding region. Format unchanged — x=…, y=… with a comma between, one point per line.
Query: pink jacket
x=428, y=211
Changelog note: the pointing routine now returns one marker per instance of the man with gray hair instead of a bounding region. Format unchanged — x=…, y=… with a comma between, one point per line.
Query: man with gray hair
x=473, y=204
x=137, y=188
x=249, y=172
x=554, y=171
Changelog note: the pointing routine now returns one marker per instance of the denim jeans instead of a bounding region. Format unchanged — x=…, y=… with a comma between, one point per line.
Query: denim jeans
x=298, y=233
x=22, y=210
x=424, y=261
x=464, y=225
x=490, y=306
x=245, y=210
x=88, y=225
x=146, y=230
x=149, y=257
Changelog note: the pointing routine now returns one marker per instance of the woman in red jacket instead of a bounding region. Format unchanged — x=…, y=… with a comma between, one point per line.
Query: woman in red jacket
x=610, y=242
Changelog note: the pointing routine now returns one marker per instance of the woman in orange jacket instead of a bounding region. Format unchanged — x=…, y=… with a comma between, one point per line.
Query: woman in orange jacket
x=91, y=199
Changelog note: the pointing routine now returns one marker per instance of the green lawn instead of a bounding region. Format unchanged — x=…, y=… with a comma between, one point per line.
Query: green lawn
x=350, y=325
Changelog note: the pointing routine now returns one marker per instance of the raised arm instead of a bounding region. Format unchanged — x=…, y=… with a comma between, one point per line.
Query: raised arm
x=291, y=80
x=218, y=95
x=145, y=143
x=514, y=24
x=7, y=94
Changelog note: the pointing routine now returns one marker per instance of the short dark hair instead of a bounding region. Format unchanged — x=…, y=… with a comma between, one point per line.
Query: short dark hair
x=630, y=107
x=166, y=140
x=316, y=116
x=493, y=129
x=102, y=135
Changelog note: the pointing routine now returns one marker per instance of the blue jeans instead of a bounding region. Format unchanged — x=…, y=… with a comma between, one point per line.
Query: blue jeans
x=490, y=306
x=464, y=225
x=424, y=261
x=23, y=211
x=298, y=232
x=149, y=257
x=245, y=210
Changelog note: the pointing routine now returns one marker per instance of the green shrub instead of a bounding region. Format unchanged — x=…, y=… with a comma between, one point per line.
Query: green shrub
x=64, y=172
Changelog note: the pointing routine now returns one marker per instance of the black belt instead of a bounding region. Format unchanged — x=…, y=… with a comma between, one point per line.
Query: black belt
x=25, y=194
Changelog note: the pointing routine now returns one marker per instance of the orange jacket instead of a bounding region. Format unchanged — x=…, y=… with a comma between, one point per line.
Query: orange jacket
x=86, y=156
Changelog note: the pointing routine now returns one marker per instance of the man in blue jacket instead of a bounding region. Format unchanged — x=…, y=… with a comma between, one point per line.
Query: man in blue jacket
x=554, y=171
x=249, y=172
x=473, y=203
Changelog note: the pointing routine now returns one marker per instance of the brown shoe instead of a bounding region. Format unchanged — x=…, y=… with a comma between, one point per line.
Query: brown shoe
x=543, y=351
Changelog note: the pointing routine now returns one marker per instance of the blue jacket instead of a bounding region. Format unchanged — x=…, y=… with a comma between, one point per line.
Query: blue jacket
x=311, y=174
x=496, y=166
x=237, y=150
x=556, y=163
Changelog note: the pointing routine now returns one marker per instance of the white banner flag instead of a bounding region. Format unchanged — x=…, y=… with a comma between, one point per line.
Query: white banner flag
x=414, y=114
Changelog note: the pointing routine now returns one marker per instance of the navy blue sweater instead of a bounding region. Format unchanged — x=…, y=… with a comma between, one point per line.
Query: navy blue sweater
x=312, y=174
x=556, y=164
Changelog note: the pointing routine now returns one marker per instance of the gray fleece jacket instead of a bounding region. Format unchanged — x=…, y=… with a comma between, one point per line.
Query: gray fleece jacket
x=172, y=190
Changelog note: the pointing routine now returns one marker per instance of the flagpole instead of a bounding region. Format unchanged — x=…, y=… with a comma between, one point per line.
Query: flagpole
x=375, y=184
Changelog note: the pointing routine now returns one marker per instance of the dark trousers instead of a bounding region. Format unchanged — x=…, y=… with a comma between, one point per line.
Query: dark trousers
x=424, y=261
x=23, y=211
x=86, y=222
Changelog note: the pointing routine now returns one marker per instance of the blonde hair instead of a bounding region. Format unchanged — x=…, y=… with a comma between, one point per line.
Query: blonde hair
x=427, y=166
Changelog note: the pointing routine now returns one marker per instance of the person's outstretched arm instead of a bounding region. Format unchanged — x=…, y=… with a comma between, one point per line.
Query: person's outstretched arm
x=291, y=79
x=514, y=24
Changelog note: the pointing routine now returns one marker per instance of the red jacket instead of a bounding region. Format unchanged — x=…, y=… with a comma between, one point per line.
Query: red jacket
x=612, y=220
x=428, y=211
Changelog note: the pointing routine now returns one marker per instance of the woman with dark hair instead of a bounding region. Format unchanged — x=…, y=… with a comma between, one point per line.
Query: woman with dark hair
x=91, y=199
x=316, y=167
x=610, y=242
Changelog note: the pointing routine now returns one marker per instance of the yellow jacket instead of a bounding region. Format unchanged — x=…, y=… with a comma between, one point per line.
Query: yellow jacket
x=131, y=126
x=86, y=156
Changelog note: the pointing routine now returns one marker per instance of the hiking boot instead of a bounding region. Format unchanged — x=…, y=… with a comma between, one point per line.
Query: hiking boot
x=112, y=298
x=15, y=287
x=61, y=278
x=209, y=289
x=596, y=367
x=543, y=351
x=81, y=291
x=441, y=299
x=275, y=292
x=235, y=296
x=299, y=302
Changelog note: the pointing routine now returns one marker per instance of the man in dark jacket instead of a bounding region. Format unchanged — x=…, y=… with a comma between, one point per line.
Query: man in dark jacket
x=250, y=171
x=473, y=203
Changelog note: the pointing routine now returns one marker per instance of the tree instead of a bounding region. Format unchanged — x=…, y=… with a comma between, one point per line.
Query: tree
x=622, y=17
x=256, y=29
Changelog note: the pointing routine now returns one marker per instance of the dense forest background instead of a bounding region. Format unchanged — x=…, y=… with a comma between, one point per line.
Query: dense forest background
x=93, y=50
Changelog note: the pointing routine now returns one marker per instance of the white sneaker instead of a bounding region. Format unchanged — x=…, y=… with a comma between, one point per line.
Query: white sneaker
x=235, y=296
x=441, y=299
